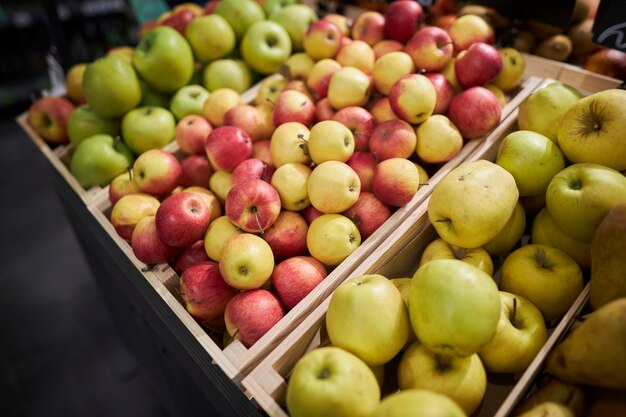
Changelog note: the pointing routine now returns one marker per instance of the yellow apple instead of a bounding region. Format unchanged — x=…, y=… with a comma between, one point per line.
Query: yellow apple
x=220, y=183
x=440, y=249
x=333, y=187
x=357, y=54
x=513, y=70
x=290, y=180
x=330, y=140
x=349, y=87
x=510, y=234
x=289, y=144
x=389, y=68
x=418, y=403
x=218, y=233
x=218, y=103
x=438, y=140
x=331, y=238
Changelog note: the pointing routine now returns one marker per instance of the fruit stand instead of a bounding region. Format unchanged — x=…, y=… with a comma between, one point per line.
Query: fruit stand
x=205, y=363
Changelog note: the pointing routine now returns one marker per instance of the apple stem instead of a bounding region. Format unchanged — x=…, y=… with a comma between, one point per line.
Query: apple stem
x=130, y=173
x=270, y=101
x=443, y=362
x=423, y=183
x=264, y=170
x=256, y=216
x=541, y=258
x=304, y=144
x=514, y=311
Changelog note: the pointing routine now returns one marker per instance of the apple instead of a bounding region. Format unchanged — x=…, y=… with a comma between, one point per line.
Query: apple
x=182, y=219
x=111, y=86
x=402, y=19
x=310, y=213
x=298, y=66
x=430, y=48
x=290, y=181
x=122, y=185
x=607, y=61
x=204, y=292
x=145, y=128
x=368, y=213
x=97, y=160
x=188, y=100
x=591, y=129
x=124, y=52
x=386, y=46
x=49, y=117
x=269, y=89
x=164, y=59
x=289, y=143
x=129, y=209
x=349, y=87
x=440, y=249
x=246, y=261
x=210, y=199
x=357, y=54
x=324, y=111
x=196, y=170
x=331, y=238
x=295, y=277
x=381, y=110
x=367, y=317
x=252, y=168
x=261, y=150
x=157, y=172
x=250, y=119
x=240, y=14
x=343, y=22
x=265, y=46
x=190, y=133
x=448, y=72
x=146, y=245
x=369, y=27
x=211, y=37
x=333, y=187
x=300, y=86
x=510, y=234
x=390, y=68
x=360, y=122
x=322, y=40
x=444, y=22
x=287, y=235
x=178, y=19
x=413, y=98
x=418, y=403
x=253, y=205
x=193, y=255
x=319, y=77
x=393, y=139
x=218, y=103
x=220, y=184
x=547, y=277
x=83, y=123
x=461, y=379
x=227, y=147
x=438, y=140
x=330, y=140
x=74, y=83
x=152, y=97
x=477, y=65
x=395, y=181
x=227, y=73
x=217, y=234
x=444, y=91
x=513, y=69
x=293, y=106
x=498, y=93
x=455, y=293
x=475, y=112
x=251, y=314
x=364, y=164
x=296, y=19
x=521, y=333
x=470, y=29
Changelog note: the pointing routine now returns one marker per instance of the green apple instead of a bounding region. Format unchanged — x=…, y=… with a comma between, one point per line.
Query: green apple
x=545, y=231
x=296, y=19
x=188, y=100
x=454, y=307
x=418, y=403
x=510, y=234
x=146, y=128
x=290, y=180
x=246, y=261
x=440, y=249
x=227, y=73
x=521, y=333
x=164, y=59
x=330, y=140
x=84, y=122
x=532, y=159
x=593, y=129
x=462, y=379
x=265, y=46
x=98, y=159
x=331, y=238
x=210, y=37
x=546, y=276
x=289, y=143
x=512, y=71
x=581, y=195
x=367, y=316
x=472, y=203
x=543, y=110
x=152, y=97
x=403, y=285
x=240, y=14
x=323, y=383
x=349, y=87
x=218, y=233
x=438, y=139
x=111, y=86
x=333, y=187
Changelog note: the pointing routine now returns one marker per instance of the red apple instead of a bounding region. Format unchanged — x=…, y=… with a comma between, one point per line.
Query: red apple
x=146, y=244
x=212, y=202
x=369, y=27
x=252, y=169
x=251, y=314
x=248, y=118
x=157, y=172
x=368, y=213
x=363, y=163
x=293, y=106
x=443, y=89
x=287, y=236
x=323, y=110
x=387, y=45
x=146, y=27
x=122, y=185
x=402, y=19
x=475, y=112
x=191, y=132
x=209, y=7
x=320, y=75
x=396, y=181
x=477, y=65
x=381, y=110
x=182, y=219
x=191, y=256
x=296, y=277
x=444, y=22
x=129, y=209
x=253, y=205
x=179, y=20
x=261, y=150
x=393, y=139
x=48, y=116
x=360, y=122
x=430, y=48
x=227, y=147
x=196, y=171
x=609, y=62
x=311, y=213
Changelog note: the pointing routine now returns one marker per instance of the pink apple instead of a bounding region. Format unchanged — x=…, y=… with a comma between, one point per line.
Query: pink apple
x=204, y=292
x=48, y=116
x=402, y=19
x=182, y=219
x=191, y=131
x=413, y=98
x=430, y=48
x=261, y=150
x=253, y=205
x=323, y=110
x=368, y=213
x=247, y=118
x=443, y=89
x=251, y=314
x=227, y=147
x=469, y=29
x=122, y=185
x=341, y=21
x=157, y=172
x=395, y=181
x=322, y=40
x=129, y=209
x=369, y=27
x=381, y=110
x=212, y=202
x=191, y=256
x=146, y=244
x=393, y=139
x=293, y=106
x=287, y=236
x=475, y=112
x=179, y=20
x=296, y=277
x=477, y=65
x=311, y=213
x=387, y=45
x=196, y=170
x=252, y=169
x=320, y=75
x=363, y=163
x=360, y=122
